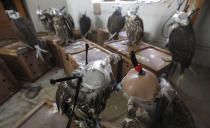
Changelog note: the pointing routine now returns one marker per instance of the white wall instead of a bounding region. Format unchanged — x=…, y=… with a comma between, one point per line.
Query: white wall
x=153, y=15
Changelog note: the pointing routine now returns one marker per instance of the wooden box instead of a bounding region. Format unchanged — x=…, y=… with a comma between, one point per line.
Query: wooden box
x=53, y=44
x=43, y=115
x=122, y=35
x=95, y=52
x=8, y=83
x=102, y=35
x=22, y=61
x=76, y=47
x=78, y=35
x=151, y=57
x=5, y=42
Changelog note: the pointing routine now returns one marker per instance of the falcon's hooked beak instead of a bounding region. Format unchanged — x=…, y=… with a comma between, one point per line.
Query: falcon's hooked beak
x=39, y=52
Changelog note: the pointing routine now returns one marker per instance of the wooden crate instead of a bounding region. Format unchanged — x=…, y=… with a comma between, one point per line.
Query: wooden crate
x=5, y=43
x=78, y=35
x=151, y=57
x=102, y=35
x=22, y=61
x=8, y=83
x=43, y=116
x=73, y=48
x=122, y=35
x=53, y=44
x=95, y=52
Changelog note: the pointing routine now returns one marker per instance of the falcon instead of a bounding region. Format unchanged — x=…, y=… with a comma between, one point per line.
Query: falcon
x=55, y=20
x=85, y=24
x=182, y=44
x=46, y=19
x=152, y=102
x=64, y=25
x=134, y=27
x=96, y=86
x=25, y=31
x=116, y=23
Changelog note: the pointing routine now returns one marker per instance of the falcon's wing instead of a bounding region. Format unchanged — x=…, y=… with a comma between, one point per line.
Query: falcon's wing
x=182, y=45
x=109, y=24
x=69, y=23
x=116, y=23
x=24, y=30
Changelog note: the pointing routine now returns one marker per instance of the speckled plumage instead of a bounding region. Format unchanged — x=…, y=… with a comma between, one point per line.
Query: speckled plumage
x=64, y=27
x=59, y=22
x=46, y=19
x=89, y=105
x=134, y=29
x=175, y=114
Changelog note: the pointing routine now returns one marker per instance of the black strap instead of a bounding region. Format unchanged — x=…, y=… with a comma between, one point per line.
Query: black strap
x=87, y=47
x=135, y=62
x=133, y=59
x=194, y=12
x=160, y=107
x=62, y=8
x=75, y=102
x=52, y=81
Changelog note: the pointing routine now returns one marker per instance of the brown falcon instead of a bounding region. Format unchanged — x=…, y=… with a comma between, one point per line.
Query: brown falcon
x=55, y=20
x=115, y=23
x=134, y=27
x=96, y=87
x=25, y=31
x=182, y=43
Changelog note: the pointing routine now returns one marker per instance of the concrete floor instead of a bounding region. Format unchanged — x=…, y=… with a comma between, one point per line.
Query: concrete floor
x=195, y=92
x=18, y=105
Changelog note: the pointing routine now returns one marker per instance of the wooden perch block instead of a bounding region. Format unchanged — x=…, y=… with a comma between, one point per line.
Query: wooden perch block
x=8, y=83
x=151, y=57
x=22, y=61
x=73, y=60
